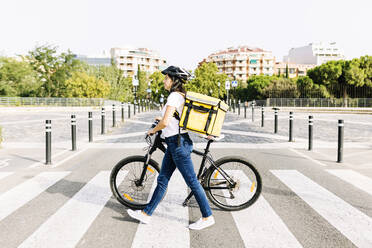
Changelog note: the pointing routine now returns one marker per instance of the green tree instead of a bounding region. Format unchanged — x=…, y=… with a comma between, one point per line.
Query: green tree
x=17, y=78
x=53, y=70
x=157, y=86
x=329, y=75
x=143, y=82
x=206, y=80
x=120, y=86
x=281, y=88
x=255, y=87
x=308, y=89
x=83, y=85
x=366, y=65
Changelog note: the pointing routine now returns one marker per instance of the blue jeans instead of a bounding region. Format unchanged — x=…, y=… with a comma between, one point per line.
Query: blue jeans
x=178, y=157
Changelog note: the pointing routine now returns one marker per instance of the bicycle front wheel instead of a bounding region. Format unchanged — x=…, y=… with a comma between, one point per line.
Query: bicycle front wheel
x=244, y=191
x=125, y=185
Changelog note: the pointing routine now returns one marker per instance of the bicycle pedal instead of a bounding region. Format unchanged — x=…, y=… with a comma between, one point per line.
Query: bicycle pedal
x=184, y=204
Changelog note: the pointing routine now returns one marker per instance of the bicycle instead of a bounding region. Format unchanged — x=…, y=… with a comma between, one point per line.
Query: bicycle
x=133, y=179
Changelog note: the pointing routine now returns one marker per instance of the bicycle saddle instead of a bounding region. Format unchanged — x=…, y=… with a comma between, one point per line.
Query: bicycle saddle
x=212, y=137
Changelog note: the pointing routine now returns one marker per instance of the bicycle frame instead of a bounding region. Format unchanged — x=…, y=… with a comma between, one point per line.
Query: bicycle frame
x=158, y=144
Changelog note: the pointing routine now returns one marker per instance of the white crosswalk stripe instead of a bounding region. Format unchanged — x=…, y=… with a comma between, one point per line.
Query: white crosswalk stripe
x=354, y=178
x=170, y=219
x=352, y=223
x=69, y=223
x=25, y=192
x=258, y=225
x=5, y=174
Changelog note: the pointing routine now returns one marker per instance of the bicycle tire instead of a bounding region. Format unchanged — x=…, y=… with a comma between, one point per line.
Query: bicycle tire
x=229, y=159
x=118, y=193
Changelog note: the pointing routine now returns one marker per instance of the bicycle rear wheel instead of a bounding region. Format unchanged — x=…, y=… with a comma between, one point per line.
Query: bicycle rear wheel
x=245, y=192
x=124, y=180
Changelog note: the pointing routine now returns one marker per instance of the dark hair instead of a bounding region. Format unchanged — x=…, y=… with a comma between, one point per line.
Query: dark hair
x=177, y=85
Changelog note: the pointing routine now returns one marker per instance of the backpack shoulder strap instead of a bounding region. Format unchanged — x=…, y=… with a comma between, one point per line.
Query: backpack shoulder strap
x=176, y=114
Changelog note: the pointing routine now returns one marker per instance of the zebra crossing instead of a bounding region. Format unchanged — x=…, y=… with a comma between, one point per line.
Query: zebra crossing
x=259, y=226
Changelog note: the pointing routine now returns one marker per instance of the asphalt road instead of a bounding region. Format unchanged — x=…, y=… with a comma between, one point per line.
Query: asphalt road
x=308, y=199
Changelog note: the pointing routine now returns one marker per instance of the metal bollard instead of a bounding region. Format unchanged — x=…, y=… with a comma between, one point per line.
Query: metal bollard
x=103, y=121
x=290, y=126
x=113, y=115
x=233, y=104
x=311, y=132
x=73, y=132
x=90, y=126
x=48, y=142
x=262, y=117
x=128, y=111
x=252, y=112
x=340, y=147
x=134, y=109
x=122, y=112
x=239, y=108
x=245, y=112
x=275, y=120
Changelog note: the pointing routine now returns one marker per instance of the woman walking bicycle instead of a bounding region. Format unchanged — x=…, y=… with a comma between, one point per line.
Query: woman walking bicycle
x=177, y=155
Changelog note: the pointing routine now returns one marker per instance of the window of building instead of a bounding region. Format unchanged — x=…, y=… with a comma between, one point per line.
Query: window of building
x=253, y=61
x=292, y=70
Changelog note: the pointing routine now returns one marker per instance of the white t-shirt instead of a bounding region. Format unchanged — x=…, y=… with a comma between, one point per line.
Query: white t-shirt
x=175, y=100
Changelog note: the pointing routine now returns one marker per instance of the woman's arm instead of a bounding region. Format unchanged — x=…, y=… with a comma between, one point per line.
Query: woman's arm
x=169, y=111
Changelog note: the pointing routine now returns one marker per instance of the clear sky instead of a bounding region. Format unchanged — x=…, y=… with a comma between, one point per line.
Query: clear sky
x=184, y=32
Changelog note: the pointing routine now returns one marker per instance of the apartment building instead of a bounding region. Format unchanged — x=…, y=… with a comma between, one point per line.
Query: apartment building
x=315, y=53
x=128, y=58
x=294, y=70
x=243, y=61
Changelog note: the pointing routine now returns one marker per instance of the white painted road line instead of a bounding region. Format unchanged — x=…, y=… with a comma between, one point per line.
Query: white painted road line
x=53, y=165
x=307, y=157
x=4, y=163
x=66, y=227
x=5, y=174
x=357, y=154
x=25, y=192
x=356, y=179
x=259, y=225
x=118, y=136
x=352, y=223
x=139, y=122
x=169, y=220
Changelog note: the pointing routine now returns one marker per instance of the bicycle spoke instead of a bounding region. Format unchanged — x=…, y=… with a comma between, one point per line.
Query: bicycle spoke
x=243, y=190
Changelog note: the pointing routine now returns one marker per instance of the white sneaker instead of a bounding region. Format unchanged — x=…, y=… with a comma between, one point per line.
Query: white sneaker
x=138, y=215
x=201, y=224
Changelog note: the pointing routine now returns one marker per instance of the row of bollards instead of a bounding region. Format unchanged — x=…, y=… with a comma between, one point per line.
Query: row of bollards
x=310, y=129
x=48, y=127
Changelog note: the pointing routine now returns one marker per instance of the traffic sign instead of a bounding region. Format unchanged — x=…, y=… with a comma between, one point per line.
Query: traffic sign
x=227, y=84
x=234, y=83
x=135, y=82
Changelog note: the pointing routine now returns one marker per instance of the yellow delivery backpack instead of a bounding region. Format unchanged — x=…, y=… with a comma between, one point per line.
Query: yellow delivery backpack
x=203, y=114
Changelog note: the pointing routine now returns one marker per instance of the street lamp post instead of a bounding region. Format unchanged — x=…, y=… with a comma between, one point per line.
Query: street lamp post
x=161, y=100
x=227, y=87
x=135, y=85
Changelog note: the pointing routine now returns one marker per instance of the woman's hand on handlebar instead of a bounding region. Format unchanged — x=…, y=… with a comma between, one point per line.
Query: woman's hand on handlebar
x=150, y=132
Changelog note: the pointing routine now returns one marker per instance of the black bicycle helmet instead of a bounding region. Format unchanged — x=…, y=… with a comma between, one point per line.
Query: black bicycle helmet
x=177, y=72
